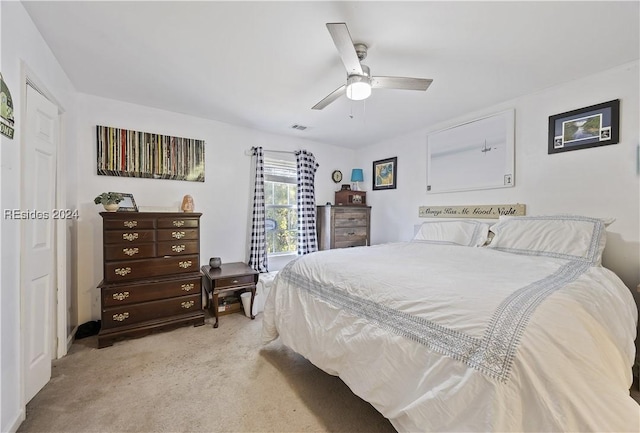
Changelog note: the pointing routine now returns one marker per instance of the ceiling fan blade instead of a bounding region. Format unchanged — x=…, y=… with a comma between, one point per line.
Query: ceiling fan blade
x=405, y=83
x=344, y=44
x=330, y=98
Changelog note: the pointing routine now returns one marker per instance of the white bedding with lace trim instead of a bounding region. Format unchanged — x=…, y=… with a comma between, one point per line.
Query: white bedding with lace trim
x=452, y=338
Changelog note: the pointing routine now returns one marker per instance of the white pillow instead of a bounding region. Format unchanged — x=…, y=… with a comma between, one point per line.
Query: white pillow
x=564, y=236
x=456, y=232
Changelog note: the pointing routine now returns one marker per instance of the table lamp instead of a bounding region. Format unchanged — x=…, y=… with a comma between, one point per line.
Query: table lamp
x=357, y=176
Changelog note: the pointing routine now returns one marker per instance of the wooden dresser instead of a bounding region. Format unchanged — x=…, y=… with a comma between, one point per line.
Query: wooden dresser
x=343, y=226
x=152, y=277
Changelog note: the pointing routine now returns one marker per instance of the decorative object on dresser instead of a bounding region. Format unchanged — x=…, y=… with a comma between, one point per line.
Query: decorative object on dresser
x=230, y=279
x=347, y=197
x=151, y=276
x=340, y=227
x=187, y=204
x=109, y=200
x=215, y=262
x=128, y=203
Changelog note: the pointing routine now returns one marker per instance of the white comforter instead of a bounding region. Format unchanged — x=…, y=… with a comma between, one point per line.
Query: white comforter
x=450, y=338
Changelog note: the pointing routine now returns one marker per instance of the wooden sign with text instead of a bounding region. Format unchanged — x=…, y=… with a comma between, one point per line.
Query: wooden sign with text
x=473, y=211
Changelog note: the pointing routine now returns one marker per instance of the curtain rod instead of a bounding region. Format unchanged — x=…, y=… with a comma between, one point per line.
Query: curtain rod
x=249, y=152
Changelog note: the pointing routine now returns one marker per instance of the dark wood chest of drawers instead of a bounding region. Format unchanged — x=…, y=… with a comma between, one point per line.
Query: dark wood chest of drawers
x=151, y=273
x=343, y=226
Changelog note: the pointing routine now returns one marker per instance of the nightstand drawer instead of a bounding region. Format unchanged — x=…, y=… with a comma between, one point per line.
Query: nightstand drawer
x=242, y=280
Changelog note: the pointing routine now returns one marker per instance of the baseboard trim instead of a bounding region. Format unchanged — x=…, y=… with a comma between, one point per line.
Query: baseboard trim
x=18, y=421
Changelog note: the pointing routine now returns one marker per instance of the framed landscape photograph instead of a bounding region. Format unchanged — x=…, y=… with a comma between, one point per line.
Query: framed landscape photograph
x=596, y=125
x=385, y=172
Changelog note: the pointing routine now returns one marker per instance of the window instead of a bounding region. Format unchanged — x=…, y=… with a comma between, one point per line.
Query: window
x=280, y=186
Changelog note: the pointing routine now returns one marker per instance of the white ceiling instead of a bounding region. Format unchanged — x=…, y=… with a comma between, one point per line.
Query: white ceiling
x=263, y=65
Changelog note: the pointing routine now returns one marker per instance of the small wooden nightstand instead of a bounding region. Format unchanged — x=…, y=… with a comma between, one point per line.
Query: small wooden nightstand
x=229, y=277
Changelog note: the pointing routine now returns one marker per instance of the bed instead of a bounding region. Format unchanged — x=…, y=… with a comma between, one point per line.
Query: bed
x=446, y=333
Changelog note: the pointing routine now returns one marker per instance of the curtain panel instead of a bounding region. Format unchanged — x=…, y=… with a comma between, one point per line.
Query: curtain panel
x=258, y=247
x=306, y=201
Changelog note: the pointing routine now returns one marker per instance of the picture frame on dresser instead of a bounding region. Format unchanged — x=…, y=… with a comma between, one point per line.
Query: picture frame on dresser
x=128, y=203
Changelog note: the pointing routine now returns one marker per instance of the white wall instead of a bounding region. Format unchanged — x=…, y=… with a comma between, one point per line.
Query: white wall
x=224, y=197
x=598, y=182
x=22, y=44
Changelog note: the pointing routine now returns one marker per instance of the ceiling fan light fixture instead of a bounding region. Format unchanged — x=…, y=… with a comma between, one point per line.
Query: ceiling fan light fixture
x=358, y=87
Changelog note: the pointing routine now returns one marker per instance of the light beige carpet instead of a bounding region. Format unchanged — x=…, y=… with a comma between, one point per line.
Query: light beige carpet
x=196, y=380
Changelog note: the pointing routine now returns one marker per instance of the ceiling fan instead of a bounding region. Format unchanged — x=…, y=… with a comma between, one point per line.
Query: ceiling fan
x=359, y=80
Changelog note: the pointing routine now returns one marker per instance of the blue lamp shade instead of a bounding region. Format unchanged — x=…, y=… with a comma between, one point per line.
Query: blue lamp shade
x=357, y=175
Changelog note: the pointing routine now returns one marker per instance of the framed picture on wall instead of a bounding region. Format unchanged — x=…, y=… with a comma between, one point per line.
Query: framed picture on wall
x=596, y=125
x=385, y=172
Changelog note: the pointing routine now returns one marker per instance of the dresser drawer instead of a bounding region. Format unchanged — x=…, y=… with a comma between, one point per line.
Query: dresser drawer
x=125, y=294
x=136, y=313
x=129, y=236
x=122, y=252
x=177, y=234
x=136, y=269
x=346, y=243
x=177, y=248
x=176, y=223
x=350, y=219
x=344, y=233
x=129, y=223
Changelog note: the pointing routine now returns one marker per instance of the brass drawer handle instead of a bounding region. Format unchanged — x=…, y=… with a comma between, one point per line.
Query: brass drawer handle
x=352, y=219
x=178, y=235
x=120, y=296
x=178, y=248
x=130, y=224
x=234, y=281
x=130, y=236
x=122, y=271
x=187, y=304
x=351, y=233
x=187, y=287
x=130, y=251
x=186, y=264
x=120, y=317
x=178, y=223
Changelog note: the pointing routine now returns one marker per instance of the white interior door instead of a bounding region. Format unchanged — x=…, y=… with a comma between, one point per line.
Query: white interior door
x=38, y=242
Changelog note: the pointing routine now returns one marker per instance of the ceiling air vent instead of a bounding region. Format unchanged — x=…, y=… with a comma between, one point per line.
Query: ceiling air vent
x=298, y=127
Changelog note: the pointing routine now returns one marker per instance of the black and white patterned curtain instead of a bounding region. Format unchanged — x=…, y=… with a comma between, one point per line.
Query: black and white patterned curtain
x=258, y=251
x=306, y=198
